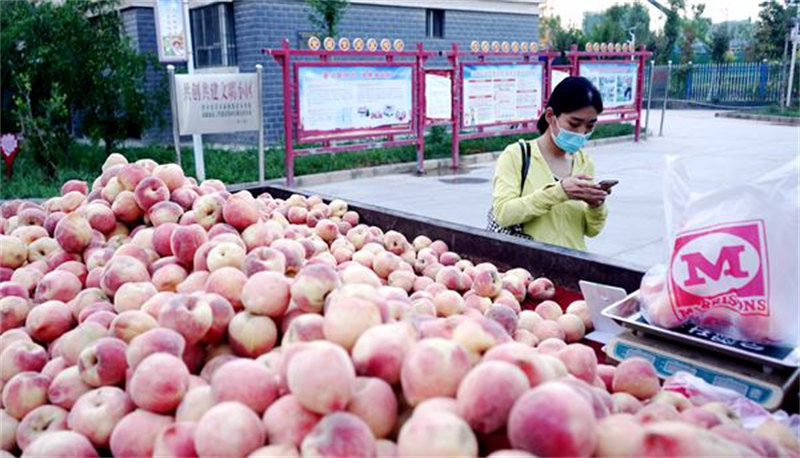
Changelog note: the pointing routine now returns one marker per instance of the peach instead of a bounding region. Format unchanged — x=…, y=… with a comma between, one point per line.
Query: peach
x=252, y=335
x=325, y=229
x=275, y=451
x=67, y=387
x=487, y=282
x=171, y=174
x=541, y=289
x=13, y=312
x=159, y=383
x=312, y=285
x=478, y=334
x=228, y=429
x=225, y=254
x=240, y=211
x=402, y=279
x=11, y=337
x=27, y=278
x=349, y=313
x=548, y=329
x=48, y=321
x=8, y=431
x=625, y=403
x=580, y=360
x=228, y=282
x=195, y=404
x=184, y=196
x=125, y=208
x=59, y=285
x=394, y=242
x=672, y=438
x=184, y=242
x=267, y=293
x=551, y=346
x=553, y=420
x=375, y=403
x=162, y=238
x=330, y=387
x=41, y=420
x=448, y=303
x=189, y=315
x=359, y=274
x=779, y=433
x=121, y=270
x=380, y=351
x=176, y=440
x=131, y=296
x=636, y=376
x=657, y=412
x=101, y=317
x=504, y=316
x=207, y=210
x=339, y=434
x=526, y=337
x=573, y=327
x=103, y=362
x=30, y=234
x=150, y=191
x=287, y=422
x=297, y=215
x=14, y=252
x=130, y=324
x=53, y=367
x=264, y=259
x=433, y=367
x=21, y=356
x=605, y=373
x=130, y=175
x=245, y=381
x=60, y=444
x=73, y=233
x=421, y=242
x=436, y=434
x=75, y=185
x=618, y=435
x=75, y=341
x=260, y=235
x=158, y=340
x=96, y=413
x=525, y=358
x=193, y=283
x=136, y=433
x=304, y=328
x=165, y=212
x=111, y=190
x=168, y=277
x=549, y=310
x=580, y=309
x=24, y=392
x=487, y=393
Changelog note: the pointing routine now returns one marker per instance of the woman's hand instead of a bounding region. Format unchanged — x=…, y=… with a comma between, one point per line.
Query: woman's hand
x=581, y=187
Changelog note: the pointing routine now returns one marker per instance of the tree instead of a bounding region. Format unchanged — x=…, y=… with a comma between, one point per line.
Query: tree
x=615, y=24
x=559, y=38
x=671, y=33
x=695, y=29
x=774, y=22
x=720, y=43
x=326, y=15
x=71, y=60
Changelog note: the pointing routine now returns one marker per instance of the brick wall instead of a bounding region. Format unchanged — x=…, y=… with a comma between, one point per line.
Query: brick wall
x=266, y=23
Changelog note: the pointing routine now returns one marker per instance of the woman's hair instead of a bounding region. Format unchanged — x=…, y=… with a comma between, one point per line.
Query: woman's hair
x=571, y=94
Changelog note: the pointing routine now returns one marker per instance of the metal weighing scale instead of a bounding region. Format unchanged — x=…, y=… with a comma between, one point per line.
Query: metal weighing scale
x=765, y=374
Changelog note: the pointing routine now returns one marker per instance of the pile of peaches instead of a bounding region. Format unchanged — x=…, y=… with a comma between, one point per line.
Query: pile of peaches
x=149, y=315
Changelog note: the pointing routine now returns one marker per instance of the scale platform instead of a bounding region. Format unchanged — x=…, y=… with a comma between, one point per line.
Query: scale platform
x=763, y=373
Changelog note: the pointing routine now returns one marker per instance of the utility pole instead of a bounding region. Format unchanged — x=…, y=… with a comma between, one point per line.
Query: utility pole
x=795, y=37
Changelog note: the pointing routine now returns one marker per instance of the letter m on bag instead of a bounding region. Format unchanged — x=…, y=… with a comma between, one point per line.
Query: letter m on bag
x=729, y=256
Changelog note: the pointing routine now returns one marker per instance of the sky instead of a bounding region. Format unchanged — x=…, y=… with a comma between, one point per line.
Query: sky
x=571, y=11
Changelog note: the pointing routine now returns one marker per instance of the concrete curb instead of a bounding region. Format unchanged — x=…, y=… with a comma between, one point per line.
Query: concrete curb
x=782, y=120
x=401, y=168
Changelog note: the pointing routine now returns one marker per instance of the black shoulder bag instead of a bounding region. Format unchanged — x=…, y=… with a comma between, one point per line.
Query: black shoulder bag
x=515, y=230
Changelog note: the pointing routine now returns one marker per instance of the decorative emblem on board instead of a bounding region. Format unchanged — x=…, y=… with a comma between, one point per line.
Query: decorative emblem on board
x=358, y=44
x=386, y=45
x=399, y=45
x=329, y=43
x=372, y=44
x=314, y=43
x=344, y=44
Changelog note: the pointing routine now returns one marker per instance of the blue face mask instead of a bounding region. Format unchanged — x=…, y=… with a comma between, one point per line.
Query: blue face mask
x=569, y=141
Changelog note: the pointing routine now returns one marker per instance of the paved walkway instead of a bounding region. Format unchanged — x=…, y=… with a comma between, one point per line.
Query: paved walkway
x=716, y=151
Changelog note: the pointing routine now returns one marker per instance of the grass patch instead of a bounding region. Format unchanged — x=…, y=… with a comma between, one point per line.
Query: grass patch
x=775, y=110
x=84, y=161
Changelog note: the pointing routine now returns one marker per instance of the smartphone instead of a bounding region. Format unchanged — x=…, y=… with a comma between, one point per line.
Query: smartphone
x=606, y=185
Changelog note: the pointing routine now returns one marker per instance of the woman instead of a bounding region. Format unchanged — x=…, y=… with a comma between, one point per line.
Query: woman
x=558, y=203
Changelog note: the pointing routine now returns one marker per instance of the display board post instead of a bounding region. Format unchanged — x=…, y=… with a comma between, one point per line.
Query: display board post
x=173, y=98
x=454, y=151
x=288, y=122
x=420, y=117
x=649, y=98
x=639, y=92
x=259, y=90
x=666, y=97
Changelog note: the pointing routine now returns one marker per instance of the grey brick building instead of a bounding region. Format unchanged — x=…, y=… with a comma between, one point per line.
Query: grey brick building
x=229, y=35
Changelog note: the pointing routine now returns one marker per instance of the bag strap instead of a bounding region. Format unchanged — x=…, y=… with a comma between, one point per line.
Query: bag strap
x=525, y=149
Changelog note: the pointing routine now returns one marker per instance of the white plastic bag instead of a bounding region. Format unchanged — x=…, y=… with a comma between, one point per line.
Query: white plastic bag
x=733, y=261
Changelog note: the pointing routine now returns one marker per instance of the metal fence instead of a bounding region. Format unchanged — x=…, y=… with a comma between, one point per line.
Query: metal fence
x=727, y=85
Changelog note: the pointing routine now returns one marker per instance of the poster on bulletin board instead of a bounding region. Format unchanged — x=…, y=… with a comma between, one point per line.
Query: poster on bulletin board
x=615, y=81
x=501, y=93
